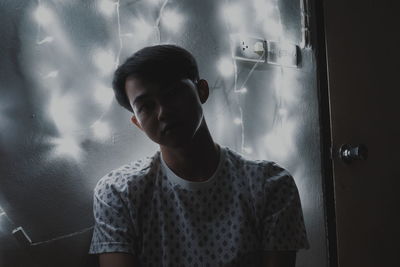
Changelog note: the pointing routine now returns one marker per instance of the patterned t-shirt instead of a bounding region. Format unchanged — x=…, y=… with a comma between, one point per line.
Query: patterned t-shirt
x=245, y=207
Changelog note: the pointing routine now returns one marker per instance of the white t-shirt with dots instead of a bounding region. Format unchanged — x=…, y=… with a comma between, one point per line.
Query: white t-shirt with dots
x=247, y=206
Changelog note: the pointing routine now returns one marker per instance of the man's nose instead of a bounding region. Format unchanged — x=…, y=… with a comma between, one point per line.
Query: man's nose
x=164, y=111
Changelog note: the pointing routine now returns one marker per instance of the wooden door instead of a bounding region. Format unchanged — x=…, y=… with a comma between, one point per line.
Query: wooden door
x=362, y=51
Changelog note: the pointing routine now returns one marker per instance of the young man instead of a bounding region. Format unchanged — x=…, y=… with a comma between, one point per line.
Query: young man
x=194, y=202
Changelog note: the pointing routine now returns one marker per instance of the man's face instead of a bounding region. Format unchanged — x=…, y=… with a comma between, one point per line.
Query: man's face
x=170, y=114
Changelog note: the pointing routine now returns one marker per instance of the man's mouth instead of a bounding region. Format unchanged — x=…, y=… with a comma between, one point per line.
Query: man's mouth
x=169, y=127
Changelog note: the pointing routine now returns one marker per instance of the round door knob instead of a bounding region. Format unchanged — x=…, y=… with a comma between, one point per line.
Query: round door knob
x=349, y=153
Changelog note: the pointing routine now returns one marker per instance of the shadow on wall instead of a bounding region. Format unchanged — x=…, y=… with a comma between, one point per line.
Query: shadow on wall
x=14, y=254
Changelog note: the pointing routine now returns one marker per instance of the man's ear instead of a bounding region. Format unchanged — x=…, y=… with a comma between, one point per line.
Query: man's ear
x=136, y=122
x=203, y=90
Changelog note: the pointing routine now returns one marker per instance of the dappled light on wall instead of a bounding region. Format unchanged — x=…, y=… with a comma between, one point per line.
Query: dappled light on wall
x=143, y=31
x=71, y=63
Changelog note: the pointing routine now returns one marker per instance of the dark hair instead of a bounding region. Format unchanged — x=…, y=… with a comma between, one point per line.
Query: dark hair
x=159, y=63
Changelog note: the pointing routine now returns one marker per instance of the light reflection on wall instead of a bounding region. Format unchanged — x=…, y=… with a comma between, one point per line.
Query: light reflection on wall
x=103, y=94
x=234, y=15
x=47, y=39
x=263, y=9
x=226, y=67
x=277, y=141
x=62, y=103
x=273, y=28
x=44, y=15
x=5, y=225
x=49, y=25
x=105, y=60
x=172, y=20
x=142, y=29
x=153, y=2
x=107, y=7
x=101, y=130
x=66, y=147
x=2, y=215
x=62, y=109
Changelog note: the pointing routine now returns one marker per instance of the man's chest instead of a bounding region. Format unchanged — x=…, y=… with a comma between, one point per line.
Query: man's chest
x=208, y=227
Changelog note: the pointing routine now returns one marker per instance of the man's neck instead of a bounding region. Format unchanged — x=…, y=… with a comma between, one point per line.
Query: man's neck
x=197, y=161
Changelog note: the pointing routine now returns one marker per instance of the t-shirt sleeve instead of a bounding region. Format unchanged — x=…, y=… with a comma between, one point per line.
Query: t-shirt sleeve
x=113, y=230
x=283, y=222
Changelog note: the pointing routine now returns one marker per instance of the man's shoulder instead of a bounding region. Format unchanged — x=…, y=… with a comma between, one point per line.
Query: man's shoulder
x=132, y=172
x=268, y=169
x=241, y=160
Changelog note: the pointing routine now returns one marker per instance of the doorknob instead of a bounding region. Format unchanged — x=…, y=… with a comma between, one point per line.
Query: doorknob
x=349, y=153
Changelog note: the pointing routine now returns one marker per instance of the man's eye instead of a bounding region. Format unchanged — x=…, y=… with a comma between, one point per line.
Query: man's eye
x=144, y=107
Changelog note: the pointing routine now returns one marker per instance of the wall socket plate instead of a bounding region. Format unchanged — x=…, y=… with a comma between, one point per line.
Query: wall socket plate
x=255, y=49
x=248, y=48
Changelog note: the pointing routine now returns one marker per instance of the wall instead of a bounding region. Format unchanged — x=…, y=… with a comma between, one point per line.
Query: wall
x=61, y=130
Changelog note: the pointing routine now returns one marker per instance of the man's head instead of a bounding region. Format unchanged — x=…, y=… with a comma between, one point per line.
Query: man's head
x=160, y=85
x=159, y=63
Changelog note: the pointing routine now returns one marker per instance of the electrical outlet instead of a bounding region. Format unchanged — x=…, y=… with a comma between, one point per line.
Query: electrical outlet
x=248, y=48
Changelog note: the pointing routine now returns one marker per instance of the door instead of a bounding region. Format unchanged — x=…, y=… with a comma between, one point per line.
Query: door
x=362, y=51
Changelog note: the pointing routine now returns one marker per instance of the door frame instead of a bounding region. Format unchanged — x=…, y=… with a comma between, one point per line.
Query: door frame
x=327, y=155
